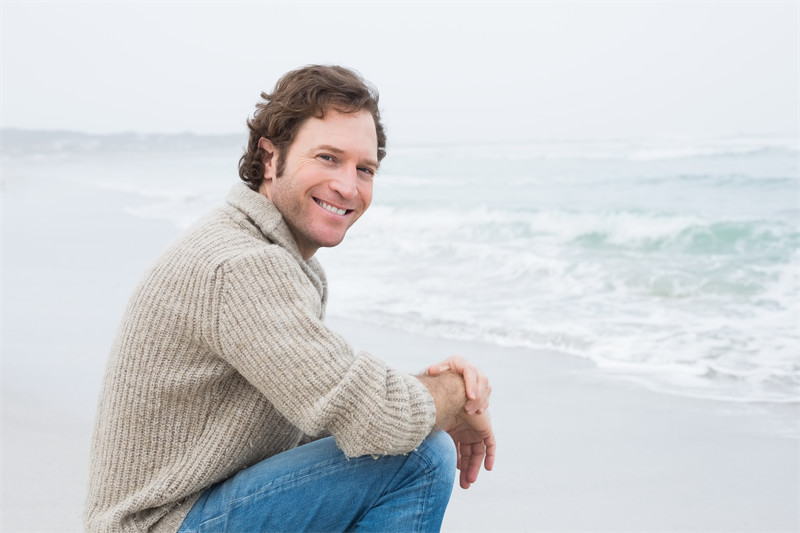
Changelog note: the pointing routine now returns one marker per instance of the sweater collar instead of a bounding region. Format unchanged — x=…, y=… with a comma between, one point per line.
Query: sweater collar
x=269, y=221
x=265, y=216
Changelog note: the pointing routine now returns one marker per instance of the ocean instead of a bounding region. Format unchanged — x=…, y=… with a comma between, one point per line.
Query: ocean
x=671, y=262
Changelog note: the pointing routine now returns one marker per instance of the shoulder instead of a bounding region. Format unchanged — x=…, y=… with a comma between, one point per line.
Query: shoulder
x=222, y=237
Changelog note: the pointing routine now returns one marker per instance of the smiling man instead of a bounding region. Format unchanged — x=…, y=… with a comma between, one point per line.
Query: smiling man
x=327, y=184
x=227, y=403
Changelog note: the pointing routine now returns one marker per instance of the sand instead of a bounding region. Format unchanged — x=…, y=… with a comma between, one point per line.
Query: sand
x=578, y=449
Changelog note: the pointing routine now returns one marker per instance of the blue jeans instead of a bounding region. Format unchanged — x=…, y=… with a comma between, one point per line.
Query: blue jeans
x=316, y=488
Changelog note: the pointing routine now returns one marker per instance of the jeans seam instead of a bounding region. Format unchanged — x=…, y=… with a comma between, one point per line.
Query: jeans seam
x=430, y=467
x=423, y=512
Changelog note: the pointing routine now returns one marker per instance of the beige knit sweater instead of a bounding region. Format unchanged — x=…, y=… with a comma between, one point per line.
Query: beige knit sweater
x=222, y=360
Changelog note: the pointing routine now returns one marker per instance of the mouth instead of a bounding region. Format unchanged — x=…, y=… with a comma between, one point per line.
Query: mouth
x=332, y=208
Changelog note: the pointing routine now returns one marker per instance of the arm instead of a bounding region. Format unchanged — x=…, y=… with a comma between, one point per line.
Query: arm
x=449, y=396
x=267, y=326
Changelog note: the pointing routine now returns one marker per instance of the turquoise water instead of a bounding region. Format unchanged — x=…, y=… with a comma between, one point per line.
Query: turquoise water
x=672, y=262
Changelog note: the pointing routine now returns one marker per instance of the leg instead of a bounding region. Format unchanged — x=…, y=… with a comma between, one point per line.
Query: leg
x=316, y=488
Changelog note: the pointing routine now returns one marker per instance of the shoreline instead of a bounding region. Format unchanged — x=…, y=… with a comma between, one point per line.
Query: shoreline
x=578, y=448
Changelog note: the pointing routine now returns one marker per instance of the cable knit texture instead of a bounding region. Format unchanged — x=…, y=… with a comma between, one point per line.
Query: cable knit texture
x=222, y=360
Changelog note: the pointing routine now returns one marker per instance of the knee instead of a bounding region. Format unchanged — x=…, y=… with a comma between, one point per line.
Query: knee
x=439, y=453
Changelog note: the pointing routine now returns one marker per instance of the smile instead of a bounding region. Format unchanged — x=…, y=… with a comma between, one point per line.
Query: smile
x=331, y=208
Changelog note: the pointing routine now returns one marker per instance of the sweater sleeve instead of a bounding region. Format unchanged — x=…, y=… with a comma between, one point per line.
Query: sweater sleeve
x=267, y=326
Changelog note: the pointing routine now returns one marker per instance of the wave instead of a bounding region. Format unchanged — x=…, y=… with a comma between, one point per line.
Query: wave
x=687, y=235
x=628, y=230
x=662, y=295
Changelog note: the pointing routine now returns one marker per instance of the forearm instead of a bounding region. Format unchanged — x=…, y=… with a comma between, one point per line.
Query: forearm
x=449, y=396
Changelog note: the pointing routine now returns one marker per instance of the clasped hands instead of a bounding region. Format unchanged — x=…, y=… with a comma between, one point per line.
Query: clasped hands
x=470, y=429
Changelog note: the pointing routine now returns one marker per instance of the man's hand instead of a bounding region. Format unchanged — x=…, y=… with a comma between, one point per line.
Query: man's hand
x=476, y=383
x=475, y=444
x=461, y=394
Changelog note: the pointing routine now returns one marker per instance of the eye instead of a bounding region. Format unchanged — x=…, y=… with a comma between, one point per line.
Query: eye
x=366, y=170
x=326, y=157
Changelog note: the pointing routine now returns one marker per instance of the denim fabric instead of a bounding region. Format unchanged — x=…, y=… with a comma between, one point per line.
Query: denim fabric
x=316, y=488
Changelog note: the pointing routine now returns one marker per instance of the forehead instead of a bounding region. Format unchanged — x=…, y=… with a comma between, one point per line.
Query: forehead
x=349, y=132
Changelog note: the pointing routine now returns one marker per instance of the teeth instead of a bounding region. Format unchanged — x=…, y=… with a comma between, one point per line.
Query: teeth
x=331, y=208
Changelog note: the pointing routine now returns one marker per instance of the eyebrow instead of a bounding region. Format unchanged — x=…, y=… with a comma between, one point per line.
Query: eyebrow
x=339, y=151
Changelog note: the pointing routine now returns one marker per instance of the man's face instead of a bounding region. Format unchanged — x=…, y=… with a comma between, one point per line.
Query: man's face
x=327, y=182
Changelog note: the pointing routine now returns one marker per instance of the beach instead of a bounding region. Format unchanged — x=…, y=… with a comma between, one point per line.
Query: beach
x=580, y=448
x=595, y=202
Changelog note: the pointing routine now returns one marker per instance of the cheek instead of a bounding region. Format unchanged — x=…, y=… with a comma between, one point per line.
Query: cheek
x=285, y=188
x=366, y=194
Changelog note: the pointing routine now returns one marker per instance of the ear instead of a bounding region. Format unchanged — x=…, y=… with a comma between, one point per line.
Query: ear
x=269, y=158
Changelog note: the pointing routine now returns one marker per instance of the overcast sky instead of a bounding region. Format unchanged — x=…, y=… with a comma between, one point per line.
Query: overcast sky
x=449, y=71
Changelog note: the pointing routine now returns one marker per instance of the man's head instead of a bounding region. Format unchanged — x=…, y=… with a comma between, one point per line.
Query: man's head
x=311, y=91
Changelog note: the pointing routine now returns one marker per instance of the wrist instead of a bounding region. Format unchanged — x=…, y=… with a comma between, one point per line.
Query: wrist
x=449, y=396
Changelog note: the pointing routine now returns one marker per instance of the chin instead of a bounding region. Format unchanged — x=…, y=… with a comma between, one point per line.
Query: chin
x=332, y=242
x=328, y=241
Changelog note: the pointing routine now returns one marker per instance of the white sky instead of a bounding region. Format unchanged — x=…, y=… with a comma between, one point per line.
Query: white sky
x=449, y=71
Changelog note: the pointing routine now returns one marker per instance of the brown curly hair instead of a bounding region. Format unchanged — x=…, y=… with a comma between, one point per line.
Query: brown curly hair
x=299, y=95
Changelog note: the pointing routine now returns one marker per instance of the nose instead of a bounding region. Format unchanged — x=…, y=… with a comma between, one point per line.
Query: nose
x=346, y=183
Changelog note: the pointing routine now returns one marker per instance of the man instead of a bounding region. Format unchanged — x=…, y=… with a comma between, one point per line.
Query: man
x=223, y=379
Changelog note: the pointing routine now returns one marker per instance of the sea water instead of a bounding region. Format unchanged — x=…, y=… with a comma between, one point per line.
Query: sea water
x=674, y=262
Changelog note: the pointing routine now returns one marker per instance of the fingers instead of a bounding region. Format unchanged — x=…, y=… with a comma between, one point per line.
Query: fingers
x=470, y=375
x=476, y=384
x=438, y=368
x=463, y=456
x=466, y=454
x=481, y=403
x=475, y=444
x=462, y=481
x=471, y=458
x=491, y=449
